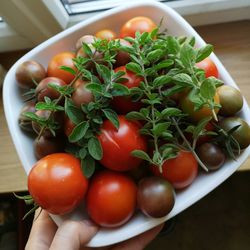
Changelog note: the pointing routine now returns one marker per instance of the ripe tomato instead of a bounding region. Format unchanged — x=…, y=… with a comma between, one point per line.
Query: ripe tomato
x=123, y=104
x=111, y=199
x=140, y=23
x=209, y=67
x=118, y=144
x=180, y=171
x=188, y=107
x=57, y=184
x=61, y=59
x=106, y=34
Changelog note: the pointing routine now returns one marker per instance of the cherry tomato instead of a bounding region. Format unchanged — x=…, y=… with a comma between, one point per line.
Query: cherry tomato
x=68, y=126
x=122, y=57
x=106, y=34
x=118, y=144
x=43, y=89
x=180, y=171
x=84, y=39
x=111, y=199
x=123, y=104
x=81, y=94
x=188, y=107
x=209, y=67
x=62, y=59
x=140, y=23
x=57, y=184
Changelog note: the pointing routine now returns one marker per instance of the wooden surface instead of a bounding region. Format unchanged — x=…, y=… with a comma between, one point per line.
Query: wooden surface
x=232, y=46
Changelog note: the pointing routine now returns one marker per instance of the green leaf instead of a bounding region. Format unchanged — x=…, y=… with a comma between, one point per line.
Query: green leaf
x=88, y=166
x=154, y=32
x=82, y=153
x=207, y=89
x=204, y=52
x=141, y=155
x=187, y=56
x=160, y=128
x=144, y=37
x=164, y=64
x=133, y=115
x=79, y=131
x=63, y=90
x=155, y=55
x=95, y=148
x=191, y=41
x=134, y=67
x=183, y=78
x=173, y=45
x=200, y=127
x=167, y=112
x=104, y=72
x=49, y=106
x=95, y=88
x=87, y=49
x=120, y=90
x=112, y=116
x=161, y=80
x=74, y=113
x=68, y=69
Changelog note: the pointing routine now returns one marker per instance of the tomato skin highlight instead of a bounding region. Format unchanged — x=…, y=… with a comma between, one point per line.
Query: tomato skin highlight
x=57, y=184
x=111, y=198
x=180, y=171
x=106, y=34
x=61, y=59
x=209, y=67
x=124, y=104
x=140, y=24
x=117, y=145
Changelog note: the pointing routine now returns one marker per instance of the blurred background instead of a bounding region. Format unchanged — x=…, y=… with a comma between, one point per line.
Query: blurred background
x=221, y=220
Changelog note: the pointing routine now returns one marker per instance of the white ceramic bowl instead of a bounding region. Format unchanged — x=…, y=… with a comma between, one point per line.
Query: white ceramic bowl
x=65, y=41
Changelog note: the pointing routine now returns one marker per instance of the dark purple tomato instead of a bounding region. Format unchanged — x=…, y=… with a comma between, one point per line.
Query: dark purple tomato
x=43, y=89
x=45, y=146
x=211, y=155
x=23, y=121
x=155, y=196
x=122, y=57
x=29, y=73
x=81, y=94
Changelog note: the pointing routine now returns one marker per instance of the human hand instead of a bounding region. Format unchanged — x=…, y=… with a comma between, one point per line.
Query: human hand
x=74, y=235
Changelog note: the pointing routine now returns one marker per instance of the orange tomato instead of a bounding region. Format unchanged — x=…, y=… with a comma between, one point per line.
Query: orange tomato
x=106, y=34
x=140, y=23
x=188, y=107
x=62, y=59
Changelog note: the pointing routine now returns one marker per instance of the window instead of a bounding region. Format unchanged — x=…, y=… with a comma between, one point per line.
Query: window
x=27, y=23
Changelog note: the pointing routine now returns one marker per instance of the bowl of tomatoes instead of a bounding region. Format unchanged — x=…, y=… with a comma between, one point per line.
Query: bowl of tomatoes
x=126, y=118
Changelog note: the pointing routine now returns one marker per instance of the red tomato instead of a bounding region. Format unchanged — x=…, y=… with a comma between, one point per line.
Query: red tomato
x=123, y=104
x=209, y=67
x=118, y=144
x=57, y=184
x=62, y=59
x=111, y=199
x=106, y=34
x=140, y=23
x=180, y=171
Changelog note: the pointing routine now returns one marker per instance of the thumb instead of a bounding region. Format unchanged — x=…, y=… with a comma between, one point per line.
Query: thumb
x=72, y=235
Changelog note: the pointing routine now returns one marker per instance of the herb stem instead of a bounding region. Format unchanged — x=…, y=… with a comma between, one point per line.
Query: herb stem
x=188, y=145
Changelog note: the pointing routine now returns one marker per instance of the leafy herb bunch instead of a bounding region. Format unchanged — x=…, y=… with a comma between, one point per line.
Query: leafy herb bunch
x=167, y=67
